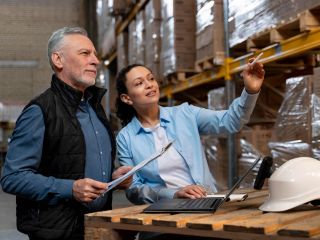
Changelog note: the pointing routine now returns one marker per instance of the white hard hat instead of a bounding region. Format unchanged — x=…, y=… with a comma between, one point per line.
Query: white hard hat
x=295, y=182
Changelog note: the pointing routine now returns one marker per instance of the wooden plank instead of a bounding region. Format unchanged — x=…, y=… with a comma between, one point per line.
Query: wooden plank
x=309, y=20
x=204, y=64
x=216, y=222
x=178, y=220
x=92, y=233
x=269, y=222
x=140, y=219
x=230, y=212
x=114, y=215
x=306, y=228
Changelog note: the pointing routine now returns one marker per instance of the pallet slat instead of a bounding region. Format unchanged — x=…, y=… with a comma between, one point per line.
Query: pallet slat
x=269, y=222
x=307, y=228
x=141, y=218
x=114, y=215
x=177, y=220
x=216, y=222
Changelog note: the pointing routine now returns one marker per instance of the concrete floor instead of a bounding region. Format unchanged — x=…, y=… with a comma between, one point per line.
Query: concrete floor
x=8, y=229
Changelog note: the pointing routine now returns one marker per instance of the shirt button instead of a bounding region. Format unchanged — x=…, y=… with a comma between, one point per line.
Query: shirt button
x=101, y=153
x=103, y=173
x=96, y=132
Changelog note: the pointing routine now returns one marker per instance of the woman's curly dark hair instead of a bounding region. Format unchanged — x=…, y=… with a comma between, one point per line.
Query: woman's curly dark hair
x=124, y=111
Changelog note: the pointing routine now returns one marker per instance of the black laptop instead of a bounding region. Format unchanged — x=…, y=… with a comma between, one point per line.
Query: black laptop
x=199, y=205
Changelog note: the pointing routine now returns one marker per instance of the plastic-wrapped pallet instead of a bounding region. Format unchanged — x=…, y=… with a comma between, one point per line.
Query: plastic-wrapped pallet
x=248, y=17
x=132, y=42
x=141, y=37
x=178, y=31
x=136, y=48
x=153, y=38
x=122, y=50
x=296, y=132
x=106, y=29
x=210, y=31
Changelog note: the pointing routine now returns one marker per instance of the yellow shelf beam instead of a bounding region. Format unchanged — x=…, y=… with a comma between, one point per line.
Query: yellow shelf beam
x=290, y=47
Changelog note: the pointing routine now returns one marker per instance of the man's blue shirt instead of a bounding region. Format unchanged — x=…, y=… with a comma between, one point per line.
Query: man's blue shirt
x=20, y=173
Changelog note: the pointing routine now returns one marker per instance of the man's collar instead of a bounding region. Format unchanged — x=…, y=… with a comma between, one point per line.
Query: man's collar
x=73, y=96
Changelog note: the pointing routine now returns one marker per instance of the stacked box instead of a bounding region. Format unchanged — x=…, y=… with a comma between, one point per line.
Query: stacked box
x=178, y=30
x=120, y=7
x=153, y=38
x=248, y=17
x=132, y=42
x=141, y=37
x=136, y=48
x=106, y=30
x=210, y=31
x=259, y=136
x=292, y=135
x=122, y=50
x=294, y=114
x=217, y=99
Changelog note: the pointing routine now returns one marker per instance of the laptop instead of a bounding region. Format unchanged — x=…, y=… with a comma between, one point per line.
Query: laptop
x=199, y=205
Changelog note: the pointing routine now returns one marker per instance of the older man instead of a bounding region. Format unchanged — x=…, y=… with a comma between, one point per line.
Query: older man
x=61, y=153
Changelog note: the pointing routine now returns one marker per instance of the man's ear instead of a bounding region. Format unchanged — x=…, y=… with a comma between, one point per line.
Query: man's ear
x=56, y=59
x=125, y=98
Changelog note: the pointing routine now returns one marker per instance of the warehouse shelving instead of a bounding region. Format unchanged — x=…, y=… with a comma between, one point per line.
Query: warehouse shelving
x=293, y=46
x=283, y=47
x=298, y=44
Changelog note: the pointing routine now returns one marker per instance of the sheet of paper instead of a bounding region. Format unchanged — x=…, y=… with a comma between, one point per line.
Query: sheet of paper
x=136, y=168
x=233, y=197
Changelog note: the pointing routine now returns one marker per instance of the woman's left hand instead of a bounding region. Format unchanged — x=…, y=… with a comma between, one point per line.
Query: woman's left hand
x=191, y=191
x=253, y=76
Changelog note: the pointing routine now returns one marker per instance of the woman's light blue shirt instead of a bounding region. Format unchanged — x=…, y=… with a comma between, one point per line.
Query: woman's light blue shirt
x=184, y=124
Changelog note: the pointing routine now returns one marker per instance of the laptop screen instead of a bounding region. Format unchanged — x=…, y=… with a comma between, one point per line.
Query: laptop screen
x=240, y=180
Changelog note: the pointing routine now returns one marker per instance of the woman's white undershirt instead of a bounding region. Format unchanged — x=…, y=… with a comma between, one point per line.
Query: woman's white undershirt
x=173, y=168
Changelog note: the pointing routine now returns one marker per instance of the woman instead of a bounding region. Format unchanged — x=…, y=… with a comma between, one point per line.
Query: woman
x=182, y=171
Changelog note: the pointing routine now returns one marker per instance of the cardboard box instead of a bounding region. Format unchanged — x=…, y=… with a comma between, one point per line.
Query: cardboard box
x=178, y=8
x=122, y=50
x=153, y=10
x=210, y=31
x=259, y=137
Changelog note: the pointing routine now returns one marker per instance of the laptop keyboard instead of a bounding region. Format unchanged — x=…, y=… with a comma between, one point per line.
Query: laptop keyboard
x=200, y=203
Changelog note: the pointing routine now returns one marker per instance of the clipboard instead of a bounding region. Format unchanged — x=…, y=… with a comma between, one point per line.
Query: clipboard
x=136, y=168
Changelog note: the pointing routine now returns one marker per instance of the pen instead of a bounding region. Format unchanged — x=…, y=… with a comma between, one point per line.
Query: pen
x=257, y=58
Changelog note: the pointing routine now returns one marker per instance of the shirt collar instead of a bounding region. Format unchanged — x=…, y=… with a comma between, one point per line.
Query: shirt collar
x=164, y=119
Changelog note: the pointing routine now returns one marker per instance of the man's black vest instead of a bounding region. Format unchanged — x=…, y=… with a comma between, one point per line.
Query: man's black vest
x=63, y=157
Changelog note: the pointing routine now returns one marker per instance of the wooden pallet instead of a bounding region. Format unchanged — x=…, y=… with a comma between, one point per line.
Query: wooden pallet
x=305, y=21
x=209, y=63
x=204, y=64
x=234, y=220
x=179, y=76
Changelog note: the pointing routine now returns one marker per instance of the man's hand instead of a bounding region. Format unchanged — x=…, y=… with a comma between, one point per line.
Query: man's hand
x=86, y=190
x=191, y=191
x=119, y=172
x=253, y=76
